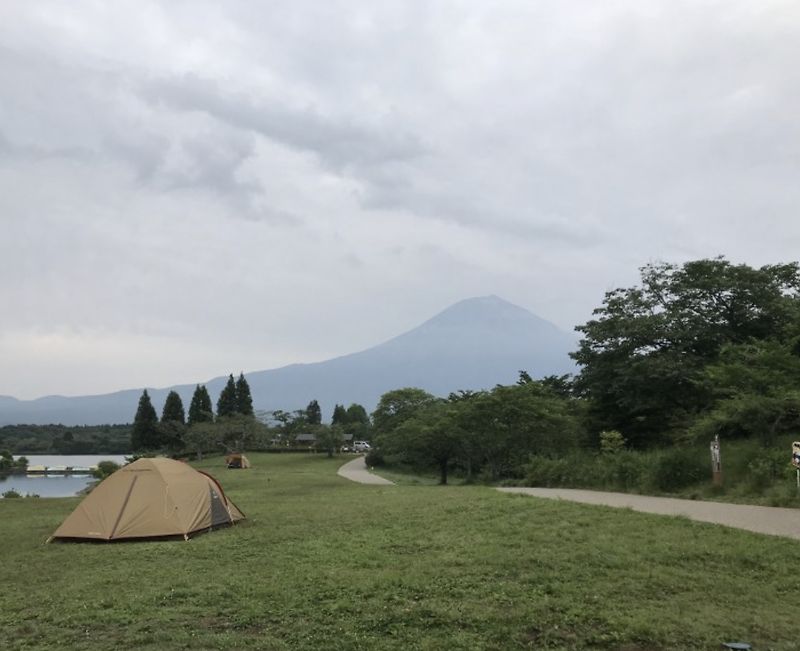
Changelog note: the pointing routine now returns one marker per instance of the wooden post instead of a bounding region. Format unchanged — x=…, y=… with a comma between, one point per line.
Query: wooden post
x=716, y=461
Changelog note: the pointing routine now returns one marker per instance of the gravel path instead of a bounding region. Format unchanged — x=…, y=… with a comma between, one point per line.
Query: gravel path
x=761, y=519
x=356, y=470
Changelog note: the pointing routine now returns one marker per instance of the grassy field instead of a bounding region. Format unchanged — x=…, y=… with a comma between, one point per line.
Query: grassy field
x=325, y=564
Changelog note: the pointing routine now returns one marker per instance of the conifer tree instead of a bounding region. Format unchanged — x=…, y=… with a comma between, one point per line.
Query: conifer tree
x=244, y=401
x=200, y=409
x=313, y=413
x=145, y=434
x=173, y=409
x=226, y=405
x=339, y=415
x=172, y=428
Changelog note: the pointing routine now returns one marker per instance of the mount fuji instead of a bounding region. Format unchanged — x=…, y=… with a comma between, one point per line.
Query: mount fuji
x=474, y=344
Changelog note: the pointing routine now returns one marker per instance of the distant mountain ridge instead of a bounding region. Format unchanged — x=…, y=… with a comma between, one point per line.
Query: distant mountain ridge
x=474, y=344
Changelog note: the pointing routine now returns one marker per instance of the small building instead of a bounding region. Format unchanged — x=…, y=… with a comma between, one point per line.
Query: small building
x=305, y=440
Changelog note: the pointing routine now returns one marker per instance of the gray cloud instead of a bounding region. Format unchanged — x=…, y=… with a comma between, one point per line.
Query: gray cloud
x=200, y=182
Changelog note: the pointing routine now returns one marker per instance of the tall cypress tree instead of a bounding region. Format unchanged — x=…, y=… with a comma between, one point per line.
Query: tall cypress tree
x=313, y=413
x=244, y=401
x=226, y=405
x=172, y=428
x=145, y=434
x=339, y=415
x=173, y=409
x=200, y=409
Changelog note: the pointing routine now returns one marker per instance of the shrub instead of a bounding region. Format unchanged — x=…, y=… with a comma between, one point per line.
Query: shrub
x=627, y=470
x=374, y=458
x=105, y=468
x=677, y=468
x=551, y=473
x=10, y=494
x=611, y=442
x=766, y=467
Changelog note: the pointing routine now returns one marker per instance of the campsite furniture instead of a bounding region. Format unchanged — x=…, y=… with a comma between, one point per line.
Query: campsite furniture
x=150, y=498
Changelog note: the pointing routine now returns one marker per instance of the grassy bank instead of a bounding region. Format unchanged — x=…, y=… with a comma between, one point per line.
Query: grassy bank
x=751, y=473
x=322, y=563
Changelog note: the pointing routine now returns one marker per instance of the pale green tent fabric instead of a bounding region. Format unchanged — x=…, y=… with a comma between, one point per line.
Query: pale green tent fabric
x=150, y=498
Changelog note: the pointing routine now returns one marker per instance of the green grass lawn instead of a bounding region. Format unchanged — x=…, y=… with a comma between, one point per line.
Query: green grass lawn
x=322, y=563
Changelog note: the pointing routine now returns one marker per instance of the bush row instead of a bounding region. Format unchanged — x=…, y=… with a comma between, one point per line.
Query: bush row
x=750, y=471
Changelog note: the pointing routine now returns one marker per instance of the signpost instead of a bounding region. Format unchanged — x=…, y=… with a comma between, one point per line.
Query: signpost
x=716, y=461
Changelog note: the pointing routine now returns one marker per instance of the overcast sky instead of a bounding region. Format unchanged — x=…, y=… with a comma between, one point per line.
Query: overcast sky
x=192, y=188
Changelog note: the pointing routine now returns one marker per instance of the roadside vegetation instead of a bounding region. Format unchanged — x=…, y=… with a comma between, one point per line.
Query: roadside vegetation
x=323, y=563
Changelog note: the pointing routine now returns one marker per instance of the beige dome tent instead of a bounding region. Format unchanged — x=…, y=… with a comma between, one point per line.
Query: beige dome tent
x=150, y=498
x=237, y=461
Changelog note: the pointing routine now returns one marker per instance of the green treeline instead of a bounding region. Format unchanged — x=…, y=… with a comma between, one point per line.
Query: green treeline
x=63, y=439
x=235, y=427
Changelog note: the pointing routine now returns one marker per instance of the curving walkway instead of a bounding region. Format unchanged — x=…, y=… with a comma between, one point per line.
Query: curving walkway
x=761, y=519
x=356, y=470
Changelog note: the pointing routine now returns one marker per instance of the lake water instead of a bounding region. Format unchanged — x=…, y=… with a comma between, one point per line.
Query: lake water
x=55, y=485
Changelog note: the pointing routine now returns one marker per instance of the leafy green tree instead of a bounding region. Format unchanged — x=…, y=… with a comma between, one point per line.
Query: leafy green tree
x=757, y=391
x=244, y=400
x=643, y=354
x=470, y=435
x=239, y=431
x=518, y=421
x=357, y=414
x=328, y=438
x=201, y=437
x=397, y=406
x=200, y=409
x=430, y=437
x=275, y=422
x=560, y=384
x=6, y=460
x=394, y=419
x=226, y=404
x=145, y=434
x=356, y=423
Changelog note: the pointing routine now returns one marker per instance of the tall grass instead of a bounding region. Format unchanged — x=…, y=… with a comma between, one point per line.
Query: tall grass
x=323, y=563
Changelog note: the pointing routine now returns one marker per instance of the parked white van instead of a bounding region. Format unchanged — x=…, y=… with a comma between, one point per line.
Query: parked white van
x=361, y=446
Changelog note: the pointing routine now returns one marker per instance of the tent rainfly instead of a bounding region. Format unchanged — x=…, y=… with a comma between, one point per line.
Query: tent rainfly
x=150, y=498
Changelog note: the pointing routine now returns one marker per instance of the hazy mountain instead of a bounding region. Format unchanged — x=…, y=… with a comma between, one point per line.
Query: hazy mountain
x=474, y=344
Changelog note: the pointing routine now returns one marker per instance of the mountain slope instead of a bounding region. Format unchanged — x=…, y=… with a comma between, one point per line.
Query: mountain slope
x=474, y=344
